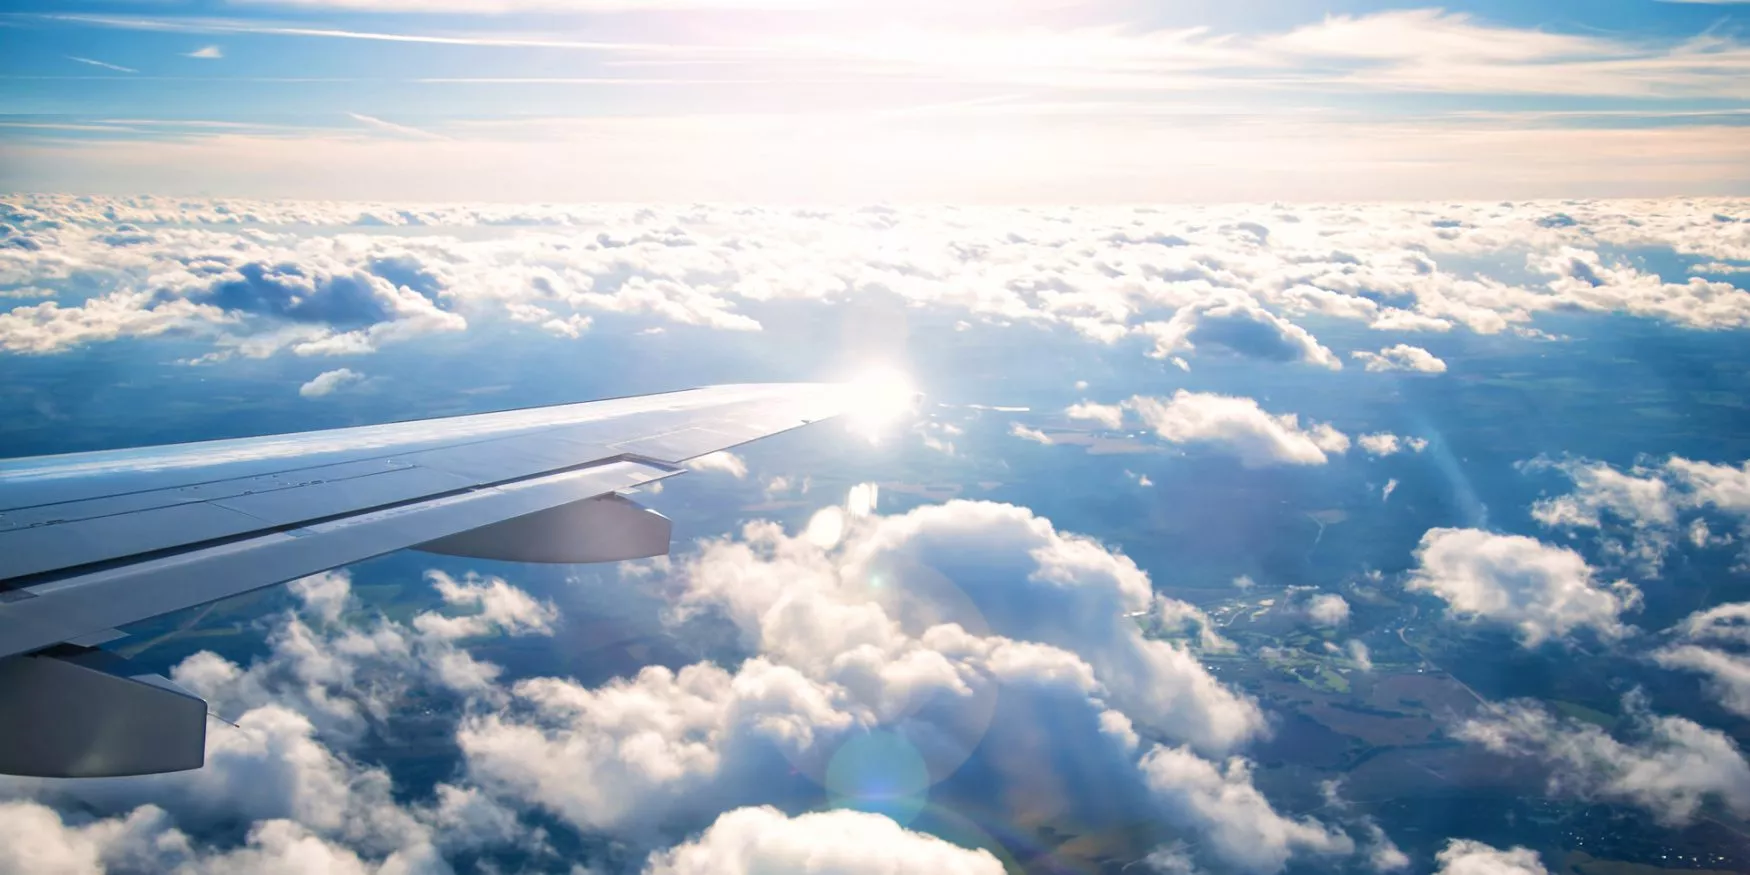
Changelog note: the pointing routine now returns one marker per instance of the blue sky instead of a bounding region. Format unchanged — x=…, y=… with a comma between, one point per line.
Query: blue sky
x=847, y=100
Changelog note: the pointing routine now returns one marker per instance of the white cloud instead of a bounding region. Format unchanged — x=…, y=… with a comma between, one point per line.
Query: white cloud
x=49, y=327
x=170, y=265
x=1239, y=822
x=107, y=66
x=1470, y=857
x=206, y=53
x=1541, y=590
x=1030, y=434
x=1583, y=279
x=1107, y=415
x=498, y=7
x=1717, y=646
x=1386, y=444
x=1170, y=860
x=34, y=839
x=327, y=382
x=1328, y=609
x=327, y=595
x=1728, y=674
x=1721, y=486
x=394, y=128
x=347, y=673
x=1401, y=357
x=630, y=754
x=1639, y=512
x=274, y=796
x=1033, y=584
x=1240, y=325
x=907, y=628
x=1725, y=623
x=1415, y=50
x=722, y=461
x=763, y=841
x=1671, y=769
x=302, y=803
x=499, y=608
x=1238, y=426
x=1359, y=655
x=572, y=326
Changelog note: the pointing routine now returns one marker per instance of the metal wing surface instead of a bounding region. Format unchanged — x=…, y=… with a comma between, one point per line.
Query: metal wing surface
x=93, y=541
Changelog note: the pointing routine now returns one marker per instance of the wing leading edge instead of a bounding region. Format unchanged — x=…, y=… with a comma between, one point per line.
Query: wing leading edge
x=93, y=541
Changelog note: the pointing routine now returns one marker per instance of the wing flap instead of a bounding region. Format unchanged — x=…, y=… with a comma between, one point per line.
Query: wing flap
x=324, y=499
x=47, y=548
x=110, y=505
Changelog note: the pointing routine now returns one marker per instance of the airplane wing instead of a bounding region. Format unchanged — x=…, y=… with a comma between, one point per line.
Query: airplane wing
x=93, y=541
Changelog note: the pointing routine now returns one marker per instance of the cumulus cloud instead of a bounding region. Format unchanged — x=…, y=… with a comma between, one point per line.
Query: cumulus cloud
x=572, y=326
x=1582, y=278
x=1469, y=857
x=146, y=840
x=1669, y=769
x=1030, y=434
x=337, y=297
x=1716, y=644
x=763, y=841
x=348, y=673
x=276, y=793
x=1328, y=609
x=1402, y=357
x=988, y=568
x=327, y=382
x=1728, y=673
x=1640, y=512
x=723, y=462
x=1540, y=590
x=1240, y=427
x=629, y=755
x=1239, y=325
x=49, y=327
x=1242, y=826
x=1106, y=275
x=1388, y=444
x=1359, y=655
x=302, y=803
x=1107, y=415
x=901, y=628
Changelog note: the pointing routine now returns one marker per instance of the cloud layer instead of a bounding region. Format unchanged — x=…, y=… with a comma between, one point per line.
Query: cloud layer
x=1178, y=282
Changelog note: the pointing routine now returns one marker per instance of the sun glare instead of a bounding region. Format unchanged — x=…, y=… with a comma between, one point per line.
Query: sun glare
x=880, y=398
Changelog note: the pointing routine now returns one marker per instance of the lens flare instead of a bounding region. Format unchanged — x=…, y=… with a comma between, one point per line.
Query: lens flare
x=880, y=772
x=879, y=399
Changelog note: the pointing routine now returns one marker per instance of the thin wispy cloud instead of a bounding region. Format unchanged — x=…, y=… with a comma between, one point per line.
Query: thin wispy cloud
x=947, y=104
x=104, y=64
x=500, y=7
x=266, y=28
x=1413, y=50
x=393, y=128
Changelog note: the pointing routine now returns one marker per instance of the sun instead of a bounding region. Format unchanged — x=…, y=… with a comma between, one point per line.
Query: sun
x=879, y=398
